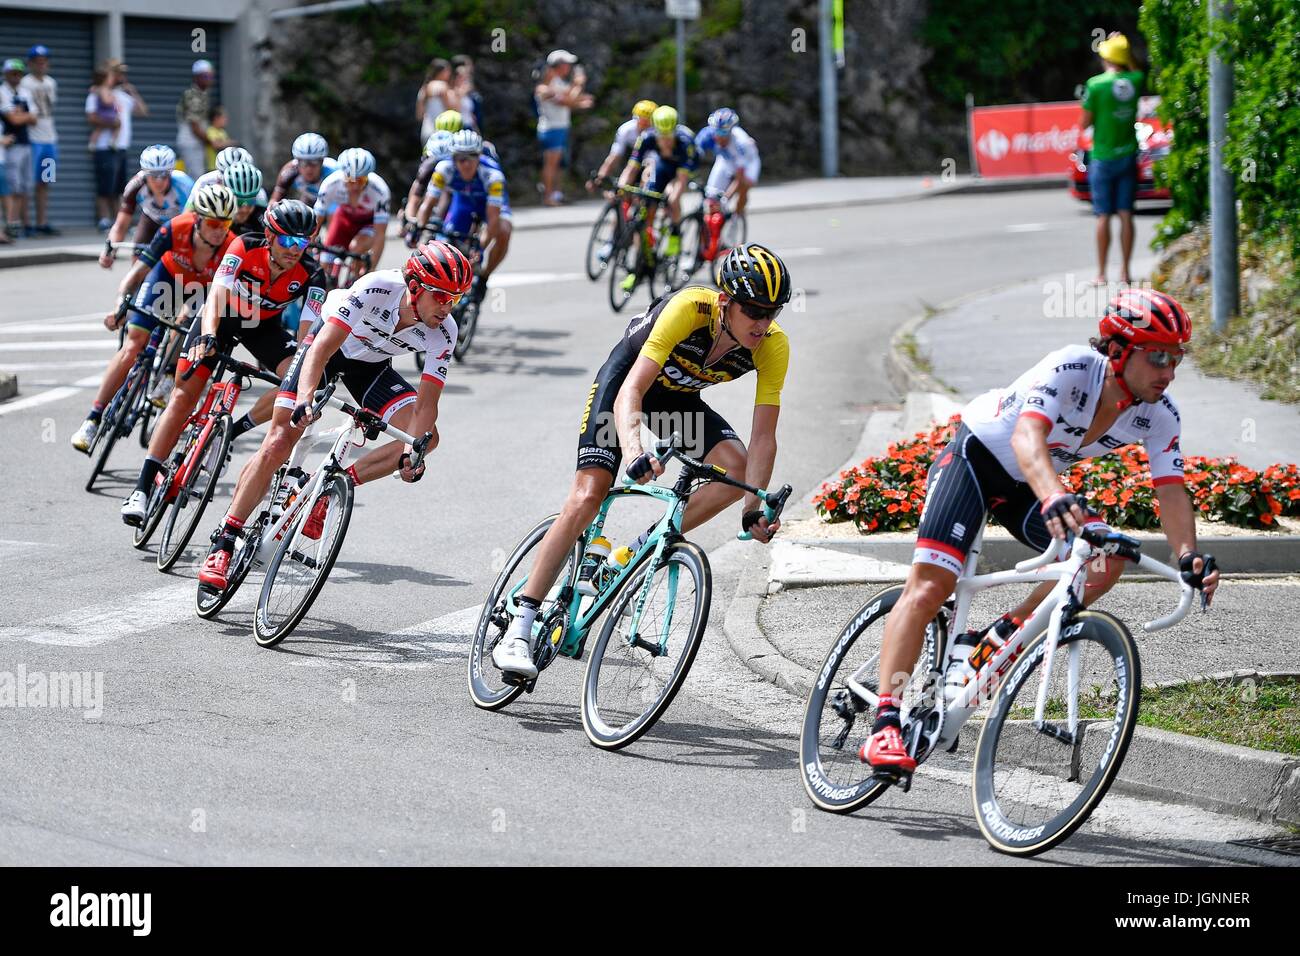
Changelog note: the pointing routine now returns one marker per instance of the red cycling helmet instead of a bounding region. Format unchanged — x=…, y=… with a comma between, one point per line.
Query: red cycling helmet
x=1146, y=317
x=437, y=267
x=1139, y=317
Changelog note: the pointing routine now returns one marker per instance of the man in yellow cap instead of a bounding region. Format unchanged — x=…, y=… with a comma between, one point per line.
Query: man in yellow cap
x=1110, y=106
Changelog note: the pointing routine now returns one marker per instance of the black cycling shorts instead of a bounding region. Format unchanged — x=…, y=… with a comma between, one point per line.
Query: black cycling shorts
x=965, y=482
x=700, y=427
x=268, y=340
x=376, y=386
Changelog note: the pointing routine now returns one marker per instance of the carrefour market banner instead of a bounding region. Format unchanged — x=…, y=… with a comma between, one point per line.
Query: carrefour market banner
x=1028, y=139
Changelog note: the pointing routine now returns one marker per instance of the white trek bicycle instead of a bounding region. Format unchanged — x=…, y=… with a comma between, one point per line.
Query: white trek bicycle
x=1064, y=689
x=297, y=565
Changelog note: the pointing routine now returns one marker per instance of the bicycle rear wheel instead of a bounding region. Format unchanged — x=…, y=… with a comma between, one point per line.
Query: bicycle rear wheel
x=1033, y=787
x=632, y=678
x=690, y=257
x=837, y=719
x=486, y=687
x=155, y=509
x=301, y=565
x=624, y=261
x=735, y=230
x=207, y=462
x=207, y=603
x=600, y=244
x=120, y=411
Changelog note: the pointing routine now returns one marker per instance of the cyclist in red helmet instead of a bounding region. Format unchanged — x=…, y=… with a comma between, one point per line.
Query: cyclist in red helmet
x=1013, y=443
x=385, y=313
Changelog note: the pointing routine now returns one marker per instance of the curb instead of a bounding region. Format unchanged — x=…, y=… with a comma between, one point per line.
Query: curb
x=747, y=640
x=44, y=257
x=8, y=385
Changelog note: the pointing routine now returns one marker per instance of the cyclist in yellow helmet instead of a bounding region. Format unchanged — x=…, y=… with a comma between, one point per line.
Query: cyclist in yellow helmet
x=449, y=120
x=624, y=140
x=668, y=148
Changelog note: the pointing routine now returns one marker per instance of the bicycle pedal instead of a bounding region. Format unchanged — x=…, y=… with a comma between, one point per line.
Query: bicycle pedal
x=893, y=778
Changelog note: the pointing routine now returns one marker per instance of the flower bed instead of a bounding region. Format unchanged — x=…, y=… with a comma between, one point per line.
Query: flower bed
x=887, y=493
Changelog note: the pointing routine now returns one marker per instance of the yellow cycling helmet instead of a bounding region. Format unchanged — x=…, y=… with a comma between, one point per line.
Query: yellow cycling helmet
x=449, y=120
x=644, y=109
x=665, y=119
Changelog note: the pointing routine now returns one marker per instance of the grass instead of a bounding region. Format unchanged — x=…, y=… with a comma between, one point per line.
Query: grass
x=912, y=349
x=1264, y=715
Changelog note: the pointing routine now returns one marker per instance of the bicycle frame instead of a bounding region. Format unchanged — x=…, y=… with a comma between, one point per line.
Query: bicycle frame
x=1050, y=615
x=227, y=394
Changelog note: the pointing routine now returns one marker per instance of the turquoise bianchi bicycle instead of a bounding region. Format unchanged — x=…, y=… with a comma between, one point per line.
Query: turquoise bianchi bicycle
x=658, y=606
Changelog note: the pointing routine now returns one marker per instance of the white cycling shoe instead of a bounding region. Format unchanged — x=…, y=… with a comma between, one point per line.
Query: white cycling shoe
x=159, y=394
x=513, y=655
x=133, y=508
x=85, y=435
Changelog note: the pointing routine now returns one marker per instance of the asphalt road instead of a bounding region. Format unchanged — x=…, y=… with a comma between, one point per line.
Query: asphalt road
x=355, y=741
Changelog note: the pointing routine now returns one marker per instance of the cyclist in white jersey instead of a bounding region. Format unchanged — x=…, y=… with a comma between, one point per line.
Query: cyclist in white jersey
x=624, y=139
x=353, y=206
x=1007, y=457
x=385, y=313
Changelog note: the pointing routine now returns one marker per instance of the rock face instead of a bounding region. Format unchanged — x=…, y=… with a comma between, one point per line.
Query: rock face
x=759, y=56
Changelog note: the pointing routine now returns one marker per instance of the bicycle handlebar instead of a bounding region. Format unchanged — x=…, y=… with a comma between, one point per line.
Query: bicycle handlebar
x=126, y=305
x=773, y=504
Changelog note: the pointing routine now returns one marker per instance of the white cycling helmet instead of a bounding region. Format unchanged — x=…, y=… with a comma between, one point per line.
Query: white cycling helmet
x=356, y=162
x=215, y=201
x=158, y=159
x=310, y=146
x=466, y=142
x=244, y=180
x=439, y=144
x=231, y=155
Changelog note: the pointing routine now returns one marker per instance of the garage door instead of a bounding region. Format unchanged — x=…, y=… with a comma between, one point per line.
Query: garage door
x=160, y=54
x=72, y=50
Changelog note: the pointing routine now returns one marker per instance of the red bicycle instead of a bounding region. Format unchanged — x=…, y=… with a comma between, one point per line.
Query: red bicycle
x=184, y=487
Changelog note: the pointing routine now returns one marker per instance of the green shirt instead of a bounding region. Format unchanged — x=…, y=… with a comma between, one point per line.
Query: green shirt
x=1112, y=98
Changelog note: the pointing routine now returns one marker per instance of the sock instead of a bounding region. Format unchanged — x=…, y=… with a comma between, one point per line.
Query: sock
x=886, y=714
x=96, y=412
x=244, y=424
x=230, y=528
x=352, y=473
x=528, y=608
x=148, y=472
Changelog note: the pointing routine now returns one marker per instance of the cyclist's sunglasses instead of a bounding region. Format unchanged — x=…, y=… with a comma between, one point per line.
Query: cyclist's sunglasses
x=218, y=223
x=292, y=242
x=165, y=174
x=359, y=181
x=441, y=297
x=757, y=312
x=464, y=157
x=1162, y=358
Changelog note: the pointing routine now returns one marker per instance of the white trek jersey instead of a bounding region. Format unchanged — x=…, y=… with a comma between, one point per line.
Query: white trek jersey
x=334, y=195
x=369, y=311
x=625, y=138
x=1063, y=389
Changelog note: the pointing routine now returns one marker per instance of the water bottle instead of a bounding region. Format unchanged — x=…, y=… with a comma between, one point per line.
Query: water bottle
x=958, y=672
x=281, y=499
x=597, y=552
x=613, y=566
x=992, y=640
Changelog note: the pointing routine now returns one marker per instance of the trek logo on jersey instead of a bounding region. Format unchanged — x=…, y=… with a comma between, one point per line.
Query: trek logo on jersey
x=1077, y=430
x=1071, y=367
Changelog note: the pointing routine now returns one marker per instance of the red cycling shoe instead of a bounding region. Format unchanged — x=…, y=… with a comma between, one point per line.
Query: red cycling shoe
x=315, y=523
x=884, y=750
x=213, y=573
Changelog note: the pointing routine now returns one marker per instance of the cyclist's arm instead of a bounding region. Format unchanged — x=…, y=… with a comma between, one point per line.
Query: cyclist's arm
x=1178, y=521
x=762, y=455
x=131, y=281
x=214, y=307
x=328, y=340
x=627, y=406
x=1029, y=443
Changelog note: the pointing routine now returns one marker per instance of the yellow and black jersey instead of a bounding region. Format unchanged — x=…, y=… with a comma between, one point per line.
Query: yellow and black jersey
x=679, y=331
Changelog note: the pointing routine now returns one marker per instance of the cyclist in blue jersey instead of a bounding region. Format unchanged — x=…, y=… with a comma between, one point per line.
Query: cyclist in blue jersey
x=157, y=190
x=469, y=186
x=736, y=166
x=300, y=177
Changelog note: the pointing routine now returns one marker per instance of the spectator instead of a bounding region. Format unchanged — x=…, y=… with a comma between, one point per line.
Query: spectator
x=110, y=106
x=1110, y=106
x=437, y=94
x=192, y=115
x=218, y=139
x=17, y=115
x=42, y=92
x=471, y=103
x=557, y=95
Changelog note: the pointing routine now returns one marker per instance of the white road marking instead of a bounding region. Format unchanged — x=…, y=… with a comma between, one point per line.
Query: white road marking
x=51, y=366
x=51, y=328
x=1026, y=227
x=439, y=641
x=107, y=342
x=53, y=395
x=58, y=320
x=503, y=280
x=110, y=621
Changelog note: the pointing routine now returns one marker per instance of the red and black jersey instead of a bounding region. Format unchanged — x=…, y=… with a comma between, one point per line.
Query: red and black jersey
x=175, y=244
x=246, y=272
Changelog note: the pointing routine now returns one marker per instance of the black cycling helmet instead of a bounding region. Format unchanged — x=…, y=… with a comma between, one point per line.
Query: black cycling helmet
x=291, y=217
x=754, y=275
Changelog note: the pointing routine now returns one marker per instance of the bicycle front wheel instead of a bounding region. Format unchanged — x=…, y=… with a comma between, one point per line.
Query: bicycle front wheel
x=154, y=511
x=837, y=718
x=115, y=419
x=601, y=242
x=301, y=565
x=632, y=678
x=466, y=323
x=207, y=462
x=734, y=231
x=689, y=259
x=624, y=267
x=207, y=603
x=1034, y=786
